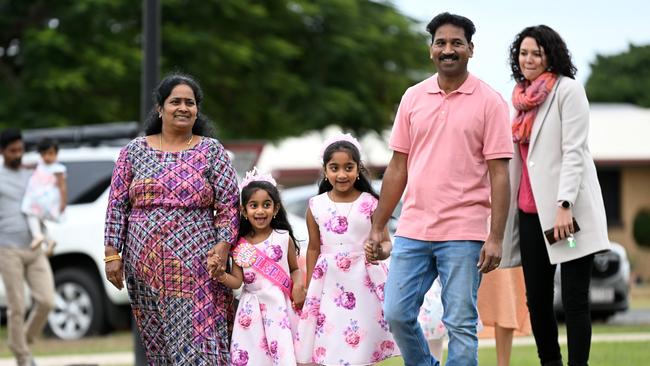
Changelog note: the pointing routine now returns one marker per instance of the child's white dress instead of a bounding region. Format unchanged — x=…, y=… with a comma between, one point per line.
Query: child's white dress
x=342, y=321
x=265, y=323
x=42, y=197
x=430, y=317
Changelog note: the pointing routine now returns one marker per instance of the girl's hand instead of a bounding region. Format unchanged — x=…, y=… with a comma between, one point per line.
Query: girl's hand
x=298, y=293
x=563, y=226
x=371, y=250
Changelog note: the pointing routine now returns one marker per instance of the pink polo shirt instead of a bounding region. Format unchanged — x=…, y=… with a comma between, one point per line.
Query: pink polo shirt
x=448, y=139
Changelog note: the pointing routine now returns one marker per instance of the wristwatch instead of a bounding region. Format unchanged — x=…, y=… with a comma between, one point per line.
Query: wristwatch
x=564, y=204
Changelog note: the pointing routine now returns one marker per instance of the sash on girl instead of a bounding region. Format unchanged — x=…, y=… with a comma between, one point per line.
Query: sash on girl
x=246, y=255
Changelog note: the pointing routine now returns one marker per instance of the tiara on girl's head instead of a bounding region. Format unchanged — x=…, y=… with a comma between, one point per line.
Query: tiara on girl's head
x=340, y=137
x=254, y=176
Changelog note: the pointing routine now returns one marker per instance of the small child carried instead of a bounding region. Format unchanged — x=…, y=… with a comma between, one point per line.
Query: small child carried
x=46, y=195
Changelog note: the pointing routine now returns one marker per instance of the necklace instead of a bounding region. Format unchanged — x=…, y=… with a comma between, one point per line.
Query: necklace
x=187, y=144
x=339, y=223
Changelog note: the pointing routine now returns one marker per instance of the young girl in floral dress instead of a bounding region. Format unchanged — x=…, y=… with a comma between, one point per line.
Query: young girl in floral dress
x=342, y=321
x=265, y=262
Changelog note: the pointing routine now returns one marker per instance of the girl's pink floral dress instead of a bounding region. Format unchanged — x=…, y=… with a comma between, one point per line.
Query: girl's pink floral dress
x=265, y=324
x=342, y=321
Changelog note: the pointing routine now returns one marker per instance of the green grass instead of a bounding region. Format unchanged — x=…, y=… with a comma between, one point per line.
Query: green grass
x=611, y=329
x=628, y=353
x=47, y=346
x=602, y=354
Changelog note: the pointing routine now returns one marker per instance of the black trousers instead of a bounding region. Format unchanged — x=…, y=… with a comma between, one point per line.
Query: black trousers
x=538, y=275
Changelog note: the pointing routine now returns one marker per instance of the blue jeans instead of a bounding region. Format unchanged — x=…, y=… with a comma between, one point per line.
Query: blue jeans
x=413, y=267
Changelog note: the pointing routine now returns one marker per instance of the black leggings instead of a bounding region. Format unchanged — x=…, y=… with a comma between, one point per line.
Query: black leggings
x=538, y=275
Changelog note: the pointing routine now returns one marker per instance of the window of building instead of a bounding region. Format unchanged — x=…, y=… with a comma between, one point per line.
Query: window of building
x=610, y=185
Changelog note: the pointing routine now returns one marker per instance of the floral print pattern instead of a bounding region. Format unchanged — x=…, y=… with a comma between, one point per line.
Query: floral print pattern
x=344, y=299
x=265, y=324
x=430, y=316
x=342, y=321
x=337, y=224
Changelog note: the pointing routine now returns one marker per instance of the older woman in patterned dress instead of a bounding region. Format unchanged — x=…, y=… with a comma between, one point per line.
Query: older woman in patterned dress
x=173, y=198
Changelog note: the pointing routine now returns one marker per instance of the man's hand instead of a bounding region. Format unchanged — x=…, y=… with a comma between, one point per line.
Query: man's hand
x=490, y=256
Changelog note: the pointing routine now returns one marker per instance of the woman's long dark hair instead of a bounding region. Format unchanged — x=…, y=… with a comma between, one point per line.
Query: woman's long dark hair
x=278, y=222
x=362, y=184
x=557, y=54
x=153, y=123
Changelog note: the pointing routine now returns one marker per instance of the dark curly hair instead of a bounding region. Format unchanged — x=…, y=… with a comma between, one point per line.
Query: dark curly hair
x=453, y=19
x=153, y=123
x=278, y=222
x=362, y=184
x=558, y=56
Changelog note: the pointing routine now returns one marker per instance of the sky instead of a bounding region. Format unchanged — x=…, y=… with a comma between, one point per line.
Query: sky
x=589, y=28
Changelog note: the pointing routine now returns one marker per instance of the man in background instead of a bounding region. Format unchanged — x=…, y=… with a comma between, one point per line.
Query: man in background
x=19, y=264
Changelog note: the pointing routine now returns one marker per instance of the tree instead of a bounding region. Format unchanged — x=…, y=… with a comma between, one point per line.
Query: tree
x=621, y=78
x=268, y=68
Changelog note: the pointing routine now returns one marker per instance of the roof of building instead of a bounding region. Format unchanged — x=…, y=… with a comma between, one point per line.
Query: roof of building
x=618, y=134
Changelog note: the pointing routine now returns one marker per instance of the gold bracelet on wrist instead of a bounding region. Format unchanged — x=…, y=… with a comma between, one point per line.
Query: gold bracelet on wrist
x=111, y=258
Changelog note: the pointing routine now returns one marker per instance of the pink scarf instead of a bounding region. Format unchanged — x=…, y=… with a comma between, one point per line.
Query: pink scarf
x=526, y=98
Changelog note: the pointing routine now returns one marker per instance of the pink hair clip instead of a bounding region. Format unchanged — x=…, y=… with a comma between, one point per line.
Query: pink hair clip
x=255, y=176
x=340, y=137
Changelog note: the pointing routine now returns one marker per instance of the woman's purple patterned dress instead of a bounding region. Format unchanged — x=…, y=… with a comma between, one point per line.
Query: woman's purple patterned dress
x=165, y=211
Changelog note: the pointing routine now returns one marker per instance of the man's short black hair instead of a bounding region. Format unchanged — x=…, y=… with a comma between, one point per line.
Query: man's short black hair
x=47, y=143
x=8, y=136
x=453, y=19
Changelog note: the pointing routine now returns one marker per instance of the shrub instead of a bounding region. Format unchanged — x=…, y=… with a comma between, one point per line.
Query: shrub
x=641, y=230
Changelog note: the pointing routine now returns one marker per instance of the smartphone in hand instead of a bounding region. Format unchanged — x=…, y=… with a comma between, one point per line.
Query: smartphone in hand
x=551, y=238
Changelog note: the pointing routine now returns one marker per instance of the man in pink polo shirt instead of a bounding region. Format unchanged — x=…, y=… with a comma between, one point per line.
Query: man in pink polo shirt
x=451, y=144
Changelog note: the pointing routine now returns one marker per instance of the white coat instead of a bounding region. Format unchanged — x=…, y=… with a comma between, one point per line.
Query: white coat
x=561, y=168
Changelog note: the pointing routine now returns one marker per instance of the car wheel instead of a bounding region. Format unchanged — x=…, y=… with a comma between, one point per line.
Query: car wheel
x=78, y=309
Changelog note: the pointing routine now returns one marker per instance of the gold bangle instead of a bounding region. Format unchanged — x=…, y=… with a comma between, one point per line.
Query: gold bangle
x=111, y=258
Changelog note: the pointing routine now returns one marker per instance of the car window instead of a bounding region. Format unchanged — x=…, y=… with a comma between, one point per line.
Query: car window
x=87, y=180
x=298, y=207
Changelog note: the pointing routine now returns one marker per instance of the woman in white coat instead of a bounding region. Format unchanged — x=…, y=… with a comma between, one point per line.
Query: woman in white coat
x=554, y=181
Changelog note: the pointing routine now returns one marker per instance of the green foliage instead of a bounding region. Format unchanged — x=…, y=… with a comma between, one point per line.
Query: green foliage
x=268, y=68
x=621, y=78
x=641, y=229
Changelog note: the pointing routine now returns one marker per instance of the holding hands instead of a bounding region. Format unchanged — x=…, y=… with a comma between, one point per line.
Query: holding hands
x=216, y=266
x=217, y=257
x=376, y=247
x=298, y=293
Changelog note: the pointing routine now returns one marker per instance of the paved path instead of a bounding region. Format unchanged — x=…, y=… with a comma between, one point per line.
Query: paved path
x=126, y=358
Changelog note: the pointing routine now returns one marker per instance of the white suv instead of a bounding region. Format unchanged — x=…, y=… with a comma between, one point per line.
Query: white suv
x=86, y=303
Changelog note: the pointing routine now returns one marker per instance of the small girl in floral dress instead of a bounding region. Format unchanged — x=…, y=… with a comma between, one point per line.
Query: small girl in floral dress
x=265, y=262
x=342, y=321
